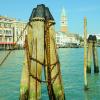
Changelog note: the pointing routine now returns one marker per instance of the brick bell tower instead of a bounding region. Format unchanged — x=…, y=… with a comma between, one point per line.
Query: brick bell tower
x=64, y=25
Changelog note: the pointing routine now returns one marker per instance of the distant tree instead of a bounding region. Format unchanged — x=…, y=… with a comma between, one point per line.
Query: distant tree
x=98, y=41
x=81, y=39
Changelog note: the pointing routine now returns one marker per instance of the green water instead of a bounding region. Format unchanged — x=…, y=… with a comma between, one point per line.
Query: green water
x=72, y=75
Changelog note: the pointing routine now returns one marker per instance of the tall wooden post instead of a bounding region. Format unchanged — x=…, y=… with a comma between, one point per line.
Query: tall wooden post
x=55, y=74
x=56, y=71
x=48, y=55
x=85, y=54
x=25, y=80
x=37, y=20
x=89, y=60
x=95, y=55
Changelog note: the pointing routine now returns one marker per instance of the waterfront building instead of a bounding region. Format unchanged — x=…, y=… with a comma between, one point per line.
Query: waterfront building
x=98, y=36
x=64, y=38
x=18, y=27
x=67, y=40
x=10, y=30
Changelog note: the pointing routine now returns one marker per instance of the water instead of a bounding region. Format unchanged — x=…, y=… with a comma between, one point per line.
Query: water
x=71, y=60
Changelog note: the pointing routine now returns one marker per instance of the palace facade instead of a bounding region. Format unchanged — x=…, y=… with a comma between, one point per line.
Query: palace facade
x=10, y=30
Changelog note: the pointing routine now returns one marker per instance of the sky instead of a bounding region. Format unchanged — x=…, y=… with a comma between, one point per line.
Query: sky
x=75, y=11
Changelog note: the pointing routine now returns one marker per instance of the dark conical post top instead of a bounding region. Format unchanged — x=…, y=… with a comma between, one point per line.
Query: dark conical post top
x=90, y=38
x=94, y=38
x=32, y=14
x=41, y=12
x=48, y=15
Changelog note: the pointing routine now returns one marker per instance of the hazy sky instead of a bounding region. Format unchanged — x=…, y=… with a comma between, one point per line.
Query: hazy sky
x=75, y=10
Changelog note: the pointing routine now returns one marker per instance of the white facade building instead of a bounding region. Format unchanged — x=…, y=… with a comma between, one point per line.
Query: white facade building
x=10, y=30
x=64, y=38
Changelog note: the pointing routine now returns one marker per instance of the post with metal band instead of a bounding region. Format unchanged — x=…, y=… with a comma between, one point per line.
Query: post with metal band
x=85, y=54
x=95, y=55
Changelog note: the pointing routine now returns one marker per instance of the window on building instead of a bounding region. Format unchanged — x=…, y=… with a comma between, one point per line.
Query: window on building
x=5, y=39
x=17, y=32
x=4, y=31
x=10, y=39
x=0, y=39
x=0, y=31
x=1, y=24
x=7, y=31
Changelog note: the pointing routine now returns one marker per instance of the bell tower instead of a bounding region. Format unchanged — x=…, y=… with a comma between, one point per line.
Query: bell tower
x=64, y=25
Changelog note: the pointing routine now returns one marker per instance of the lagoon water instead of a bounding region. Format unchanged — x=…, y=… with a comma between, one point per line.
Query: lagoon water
x=71, y=60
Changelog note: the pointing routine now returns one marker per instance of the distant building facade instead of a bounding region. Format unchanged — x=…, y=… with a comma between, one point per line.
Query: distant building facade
x=98, y=36
x=64, y=38
x=10, y=30
x=69, y=40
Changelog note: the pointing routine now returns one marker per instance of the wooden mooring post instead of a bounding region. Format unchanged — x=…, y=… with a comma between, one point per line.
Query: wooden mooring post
x=41, y=54
x=89, y=60
x=85, y=54
x=95, y=55
x=92, y=52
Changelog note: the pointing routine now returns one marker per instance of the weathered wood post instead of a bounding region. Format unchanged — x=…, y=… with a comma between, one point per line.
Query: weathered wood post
x=89, y=60
x=40, y=51
x=54, y=66
x=37, y=20
x=25, y=79
x=95, y=55
x=85, y=54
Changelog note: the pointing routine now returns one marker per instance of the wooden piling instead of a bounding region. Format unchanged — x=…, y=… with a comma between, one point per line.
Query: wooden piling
x=48, y=56
x=25, y=80
x=89, y=60
x=95, y=55
x=85, y=54
x=38, y=54
x=41, y=52
x=56, y=71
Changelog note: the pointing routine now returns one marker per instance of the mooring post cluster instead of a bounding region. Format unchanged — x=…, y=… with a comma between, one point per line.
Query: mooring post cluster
x=41, y=55
x=92, y=50
x=89, y=51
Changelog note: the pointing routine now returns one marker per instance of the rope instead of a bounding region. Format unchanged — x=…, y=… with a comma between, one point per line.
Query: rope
x=14, y=45
x=44, y=81
x=50, y=85
x=41, y=63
